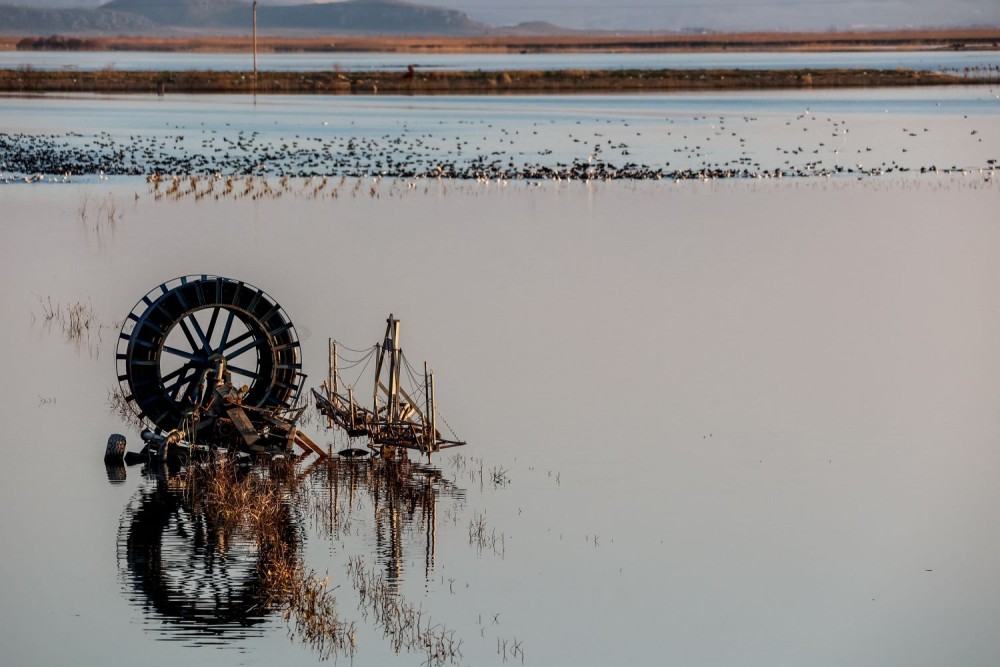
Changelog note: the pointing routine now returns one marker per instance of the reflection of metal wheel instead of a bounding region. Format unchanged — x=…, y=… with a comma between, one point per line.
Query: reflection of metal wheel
x=181, y=568
x=181, y=329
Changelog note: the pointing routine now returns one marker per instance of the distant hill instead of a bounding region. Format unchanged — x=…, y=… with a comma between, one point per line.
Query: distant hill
x=186, y=13
x=28, y=21
x=191, y=16
x=371, y=16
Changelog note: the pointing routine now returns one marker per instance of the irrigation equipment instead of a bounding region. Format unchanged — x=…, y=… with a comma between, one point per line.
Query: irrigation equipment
x=395, y=419
x=212, y=361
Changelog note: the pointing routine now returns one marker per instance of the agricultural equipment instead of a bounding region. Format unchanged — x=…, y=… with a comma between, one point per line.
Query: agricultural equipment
x=214, y=361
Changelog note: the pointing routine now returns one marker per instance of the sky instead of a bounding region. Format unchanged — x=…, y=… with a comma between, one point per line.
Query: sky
x=709, y=14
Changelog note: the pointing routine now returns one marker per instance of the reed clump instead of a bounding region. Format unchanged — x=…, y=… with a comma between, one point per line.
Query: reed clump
x=77, y=321
x=407, y=626
x=485, y=537
x=119, y=407
x=255, y=502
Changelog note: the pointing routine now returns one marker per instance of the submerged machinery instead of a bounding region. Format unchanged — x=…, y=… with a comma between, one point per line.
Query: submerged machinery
x=210, y=362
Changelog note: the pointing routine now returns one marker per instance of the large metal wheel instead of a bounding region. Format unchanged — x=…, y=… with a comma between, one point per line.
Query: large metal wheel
x=180, y=330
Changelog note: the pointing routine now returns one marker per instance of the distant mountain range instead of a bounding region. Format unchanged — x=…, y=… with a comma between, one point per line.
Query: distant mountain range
x=141, y=17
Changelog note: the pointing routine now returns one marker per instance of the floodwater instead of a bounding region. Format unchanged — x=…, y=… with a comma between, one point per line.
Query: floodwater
x=787, y=133
x=732, y=421
x=939, y=61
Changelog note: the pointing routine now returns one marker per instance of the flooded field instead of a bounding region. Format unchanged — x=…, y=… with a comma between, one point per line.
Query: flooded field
x=933, y=60
x=713, y=422
x=678, y=136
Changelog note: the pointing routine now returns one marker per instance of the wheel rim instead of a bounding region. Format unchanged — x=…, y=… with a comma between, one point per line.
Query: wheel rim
x=180, y=329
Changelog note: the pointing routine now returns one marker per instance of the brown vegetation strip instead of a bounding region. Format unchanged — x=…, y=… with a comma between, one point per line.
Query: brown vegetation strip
x=558, y=81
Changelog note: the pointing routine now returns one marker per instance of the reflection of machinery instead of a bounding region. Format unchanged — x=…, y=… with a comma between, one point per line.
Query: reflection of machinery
x=192, y=572
x=403, y=497
x=181, y=348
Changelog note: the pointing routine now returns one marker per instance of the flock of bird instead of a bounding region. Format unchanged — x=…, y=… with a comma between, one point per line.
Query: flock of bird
x=677, y=147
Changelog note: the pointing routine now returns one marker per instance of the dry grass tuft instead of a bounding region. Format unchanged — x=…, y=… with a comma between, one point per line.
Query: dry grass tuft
x=406, y=626
x=256, y=502
x=122, y=409
x=77, y=321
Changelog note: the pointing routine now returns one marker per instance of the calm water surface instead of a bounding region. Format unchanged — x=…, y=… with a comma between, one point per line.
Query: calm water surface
x=793, y=133
x=743, y=422
x=950, y=61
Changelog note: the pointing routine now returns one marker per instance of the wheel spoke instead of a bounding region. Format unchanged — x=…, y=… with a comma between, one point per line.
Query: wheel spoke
x=225, y=331
x=243, y=371
x=239, y=339
x=182, y=353
x=183, y=369
x=201, y=334
x=249, y=346
x=211, y=325
x=187, y=334
x=175, y=389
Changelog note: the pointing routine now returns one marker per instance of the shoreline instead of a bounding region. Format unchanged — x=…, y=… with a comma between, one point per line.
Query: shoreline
x=416, y=82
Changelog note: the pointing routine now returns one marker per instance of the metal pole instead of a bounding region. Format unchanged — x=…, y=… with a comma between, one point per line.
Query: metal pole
x=394, y=372
x=428, y=435
x=350, y=394
x=432, y=410
x=255, y=46
x=331, y=373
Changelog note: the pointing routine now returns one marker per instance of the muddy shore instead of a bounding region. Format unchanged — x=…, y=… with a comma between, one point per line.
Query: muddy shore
x=443, y=83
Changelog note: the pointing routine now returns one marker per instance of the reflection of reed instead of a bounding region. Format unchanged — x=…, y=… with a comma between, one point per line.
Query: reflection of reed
x=401, y=496
x=215, y=550
x=406, y=626
x=203, y=581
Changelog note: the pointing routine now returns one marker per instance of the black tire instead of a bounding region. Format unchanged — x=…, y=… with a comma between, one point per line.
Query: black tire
x=115, y=451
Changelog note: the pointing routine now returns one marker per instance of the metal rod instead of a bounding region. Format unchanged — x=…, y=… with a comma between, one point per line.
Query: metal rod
x=394, y=371
x=350, y=393
x=255, y=46
x=428, y=433
x=432, y=409
x=331, y=373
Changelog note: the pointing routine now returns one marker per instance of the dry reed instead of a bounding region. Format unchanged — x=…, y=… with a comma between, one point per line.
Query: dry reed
x=406, y=626
x=485, y=537
x=78, y=322
x=256, y=502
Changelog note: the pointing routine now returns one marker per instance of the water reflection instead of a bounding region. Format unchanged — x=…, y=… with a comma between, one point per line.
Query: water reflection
x=400, y=496
x=202, y=580
x=211, y=552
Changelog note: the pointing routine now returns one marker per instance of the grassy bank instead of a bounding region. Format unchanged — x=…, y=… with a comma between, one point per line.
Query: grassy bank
x=442, y=83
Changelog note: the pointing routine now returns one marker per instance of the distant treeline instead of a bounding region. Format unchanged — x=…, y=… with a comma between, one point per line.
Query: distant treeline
x=57, y=43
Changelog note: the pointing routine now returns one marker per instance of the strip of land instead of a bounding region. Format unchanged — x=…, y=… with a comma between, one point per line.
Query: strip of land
x=415, y=82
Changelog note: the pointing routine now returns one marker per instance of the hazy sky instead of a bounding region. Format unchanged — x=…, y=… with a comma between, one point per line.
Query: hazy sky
x=713, y=14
